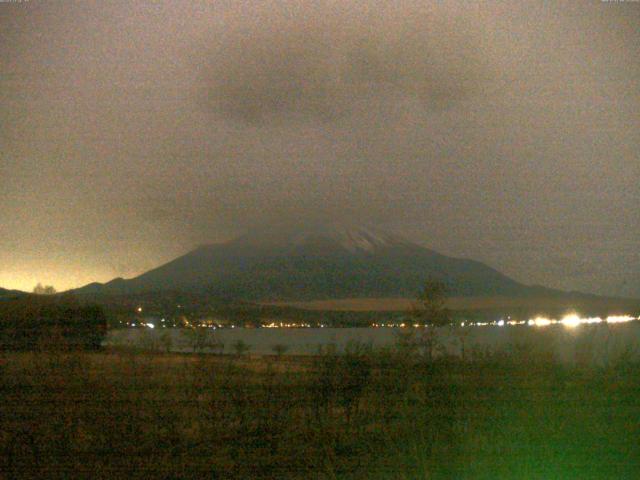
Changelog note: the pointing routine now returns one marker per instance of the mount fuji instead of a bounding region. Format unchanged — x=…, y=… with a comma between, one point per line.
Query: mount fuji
x=314, y=263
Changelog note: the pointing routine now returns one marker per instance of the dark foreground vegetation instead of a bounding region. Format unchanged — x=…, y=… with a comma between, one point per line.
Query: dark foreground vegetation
x=361, y=415
x=39, y=322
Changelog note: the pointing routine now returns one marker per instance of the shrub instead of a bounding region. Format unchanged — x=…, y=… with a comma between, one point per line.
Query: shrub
x=241, y=347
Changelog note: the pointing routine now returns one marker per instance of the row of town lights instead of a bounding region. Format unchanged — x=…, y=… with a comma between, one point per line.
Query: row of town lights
x=570, y=321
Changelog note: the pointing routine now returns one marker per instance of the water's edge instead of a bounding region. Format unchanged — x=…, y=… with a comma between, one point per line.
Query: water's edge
x=590, y=343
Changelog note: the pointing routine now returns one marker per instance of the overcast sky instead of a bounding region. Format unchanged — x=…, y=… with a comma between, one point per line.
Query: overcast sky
x=507, y=132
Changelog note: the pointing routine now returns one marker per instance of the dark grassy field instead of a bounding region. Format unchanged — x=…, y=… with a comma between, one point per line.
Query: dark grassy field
x=363, y=415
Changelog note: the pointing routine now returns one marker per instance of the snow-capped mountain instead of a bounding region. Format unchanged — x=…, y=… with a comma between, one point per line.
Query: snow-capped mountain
x=287, y=263
x=353, y=239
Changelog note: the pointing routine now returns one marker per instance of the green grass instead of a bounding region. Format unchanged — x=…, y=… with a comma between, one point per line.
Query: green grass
x=363, y=415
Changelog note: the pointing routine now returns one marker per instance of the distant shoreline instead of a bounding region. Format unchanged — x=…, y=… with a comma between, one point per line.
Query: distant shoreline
x=619, y=305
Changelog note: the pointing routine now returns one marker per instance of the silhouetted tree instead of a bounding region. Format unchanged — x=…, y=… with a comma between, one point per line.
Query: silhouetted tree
x=431, y=312
x=432, y=308
x=279, y=349
x=241, y=347
x=39, y=289
x=166, y=340
x=200, y=339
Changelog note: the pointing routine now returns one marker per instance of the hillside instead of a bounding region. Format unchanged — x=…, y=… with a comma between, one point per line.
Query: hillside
x=10, y=293
x=314, y=264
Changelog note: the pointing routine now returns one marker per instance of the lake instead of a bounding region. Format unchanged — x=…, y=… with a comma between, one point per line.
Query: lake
x=590, y=343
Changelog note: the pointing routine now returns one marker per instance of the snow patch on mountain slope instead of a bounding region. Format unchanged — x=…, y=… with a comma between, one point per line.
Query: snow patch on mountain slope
x=353, y=239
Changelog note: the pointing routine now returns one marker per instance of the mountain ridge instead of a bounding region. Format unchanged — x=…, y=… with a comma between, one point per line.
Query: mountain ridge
x=316, y=263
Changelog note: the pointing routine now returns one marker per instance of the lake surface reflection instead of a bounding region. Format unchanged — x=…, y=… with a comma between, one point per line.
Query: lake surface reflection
x=585, y=343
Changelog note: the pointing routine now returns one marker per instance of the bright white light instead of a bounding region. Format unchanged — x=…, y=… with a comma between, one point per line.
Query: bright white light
x=619, y=318
x=501, y=323
x=591, y=320
x=151, y=325
x=541, y=321
x=571, y=320
x=139, y=309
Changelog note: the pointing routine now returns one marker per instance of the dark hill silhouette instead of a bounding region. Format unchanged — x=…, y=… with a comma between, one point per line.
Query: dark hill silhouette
x=316, y=263
x=10, y=293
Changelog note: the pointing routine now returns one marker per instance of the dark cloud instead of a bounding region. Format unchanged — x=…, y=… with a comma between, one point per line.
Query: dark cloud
x=506, y=132
x=319, y=65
